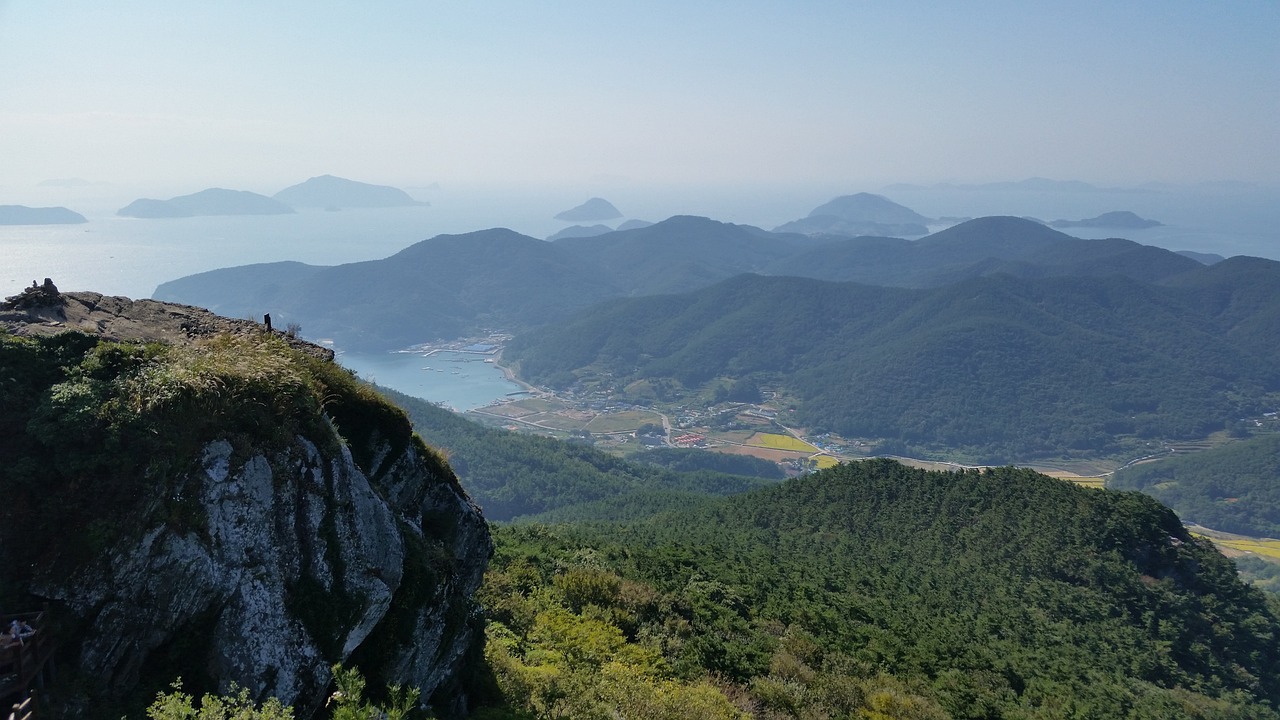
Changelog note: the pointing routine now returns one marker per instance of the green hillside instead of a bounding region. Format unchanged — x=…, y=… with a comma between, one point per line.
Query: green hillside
x=679, y=254
x=511, y=475
x=439, y=288
x=452, y=285
x=998, y=367
x=1234, y=488
x=875, y=590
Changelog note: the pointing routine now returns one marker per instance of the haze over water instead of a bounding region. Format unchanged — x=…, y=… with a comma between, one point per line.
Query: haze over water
x=130, y=256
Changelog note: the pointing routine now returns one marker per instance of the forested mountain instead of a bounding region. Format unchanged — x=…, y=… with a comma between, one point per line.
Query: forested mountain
x=452, y=285
x=442, y=287
x=1235, y=488
x=985, y=246
x=246, y=291
x=1004, y=367
x=512, y=475
x=875, y=590
x=680, y=253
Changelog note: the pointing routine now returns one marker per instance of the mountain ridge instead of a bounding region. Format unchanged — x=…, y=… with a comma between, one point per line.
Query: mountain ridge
x=1024, y=368
x=679, y=254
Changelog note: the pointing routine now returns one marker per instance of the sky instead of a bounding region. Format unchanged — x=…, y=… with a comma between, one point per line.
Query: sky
x=259, y=95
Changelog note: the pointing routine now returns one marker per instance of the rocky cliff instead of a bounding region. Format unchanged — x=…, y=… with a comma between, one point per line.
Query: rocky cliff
x=202, y=497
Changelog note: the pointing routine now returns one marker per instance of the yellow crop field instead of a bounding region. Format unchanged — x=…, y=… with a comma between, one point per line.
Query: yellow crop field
x=825, y=461
x=1267, y=547
x=781, y=442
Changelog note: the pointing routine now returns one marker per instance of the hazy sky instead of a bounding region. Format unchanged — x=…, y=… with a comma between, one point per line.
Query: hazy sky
x=259, y=95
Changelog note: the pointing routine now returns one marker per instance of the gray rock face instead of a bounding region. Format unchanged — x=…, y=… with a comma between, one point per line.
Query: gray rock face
x=283, y=564
x=43, y=310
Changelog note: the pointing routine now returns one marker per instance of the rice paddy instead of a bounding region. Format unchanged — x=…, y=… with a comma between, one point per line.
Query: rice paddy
x=1265, y=547
x=774, y=441
x=825, y=461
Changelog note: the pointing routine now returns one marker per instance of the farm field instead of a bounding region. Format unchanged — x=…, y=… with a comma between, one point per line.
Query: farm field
x=760, y=452
x=1093, y=481
x=1266, y=548
x=625, y=421
x=510, y=410
x=558, y=421
x=735, y=437
x=774, y=441
x=1233, y=545
x=538, y=404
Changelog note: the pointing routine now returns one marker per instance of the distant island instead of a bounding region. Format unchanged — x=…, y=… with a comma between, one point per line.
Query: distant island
x=859, y=214
x=23, y=215
x=580, y=231
x=593, y=210
x=214, y=201
x=332, y=193
x=1122, y=219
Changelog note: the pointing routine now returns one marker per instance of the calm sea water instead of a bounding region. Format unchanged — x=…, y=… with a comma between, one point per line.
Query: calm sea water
x=461, y=381
x=131, y=256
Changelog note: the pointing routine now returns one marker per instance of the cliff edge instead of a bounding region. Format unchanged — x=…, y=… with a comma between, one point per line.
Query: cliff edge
x=198, y=496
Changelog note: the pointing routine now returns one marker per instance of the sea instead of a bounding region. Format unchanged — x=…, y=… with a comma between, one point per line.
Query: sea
x=458, y=381
x=131, y=256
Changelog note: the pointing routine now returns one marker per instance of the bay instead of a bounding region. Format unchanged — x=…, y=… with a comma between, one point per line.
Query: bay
x=459, y=381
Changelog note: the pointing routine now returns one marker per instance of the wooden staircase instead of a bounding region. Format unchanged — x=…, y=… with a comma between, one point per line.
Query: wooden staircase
x=24, y=662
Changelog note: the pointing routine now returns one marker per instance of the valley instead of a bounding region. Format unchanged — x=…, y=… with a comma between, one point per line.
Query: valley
x=624, y=425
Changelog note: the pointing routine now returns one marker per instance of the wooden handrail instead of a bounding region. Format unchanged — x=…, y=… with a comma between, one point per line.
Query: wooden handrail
x=22, y=661
x=24, y=710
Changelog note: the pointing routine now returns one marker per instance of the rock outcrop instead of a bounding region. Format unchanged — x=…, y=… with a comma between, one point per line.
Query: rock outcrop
x=256, y=515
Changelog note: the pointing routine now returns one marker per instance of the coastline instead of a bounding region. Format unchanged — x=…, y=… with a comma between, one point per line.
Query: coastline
x=511, y=376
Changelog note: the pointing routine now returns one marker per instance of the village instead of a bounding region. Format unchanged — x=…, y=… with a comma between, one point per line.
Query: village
x=623, y=425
